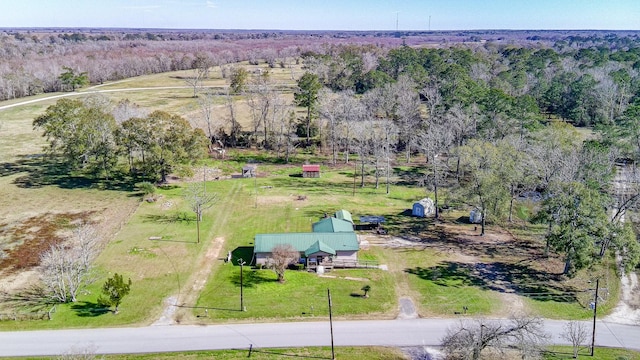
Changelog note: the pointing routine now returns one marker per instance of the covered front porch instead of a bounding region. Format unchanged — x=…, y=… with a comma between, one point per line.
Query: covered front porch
x=319, y=254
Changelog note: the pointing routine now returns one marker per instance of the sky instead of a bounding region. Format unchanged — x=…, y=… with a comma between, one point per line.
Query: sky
x=325, y=14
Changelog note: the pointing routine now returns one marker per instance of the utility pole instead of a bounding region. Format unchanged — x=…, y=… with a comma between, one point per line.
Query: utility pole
x=355, y=173
x=387, y=152
x=198, y=216
x=333, y=354
x=241, y=263
x=255, y=185
x=595, y=312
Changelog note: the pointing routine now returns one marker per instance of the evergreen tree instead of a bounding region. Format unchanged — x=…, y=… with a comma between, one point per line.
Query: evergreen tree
x=114, y=290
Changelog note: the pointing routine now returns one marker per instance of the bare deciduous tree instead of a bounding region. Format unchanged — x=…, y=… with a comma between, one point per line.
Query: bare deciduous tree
x=234, y=126
x=407, y=112
x=199, y=201
x=470, y=338
x=384, y=134
x=125, y=110
x=283, y=123
x=398, y=102
x=281, y=257
x=212, y=123
x=463, y=126
x=330, y=111
x=362, y=144
x=433, y=142
x=577, y=334
x=261, y=98
x=80, y=353
x=200, y=72
x=66, y=268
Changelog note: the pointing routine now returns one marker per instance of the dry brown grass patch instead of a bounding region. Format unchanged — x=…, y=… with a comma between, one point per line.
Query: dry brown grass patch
x=32, y=237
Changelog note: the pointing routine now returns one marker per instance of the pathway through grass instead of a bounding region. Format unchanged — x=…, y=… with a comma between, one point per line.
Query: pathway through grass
x=179, y=308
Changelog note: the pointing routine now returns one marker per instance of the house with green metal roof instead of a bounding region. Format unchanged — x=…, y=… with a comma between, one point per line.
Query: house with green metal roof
x=343, y=215
x=314, y=247
x=332, y=224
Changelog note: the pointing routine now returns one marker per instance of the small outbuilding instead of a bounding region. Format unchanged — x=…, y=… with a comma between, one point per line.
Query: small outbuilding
x=311, y=171
x=249, y=170
x=423, y=208
x=475, y=216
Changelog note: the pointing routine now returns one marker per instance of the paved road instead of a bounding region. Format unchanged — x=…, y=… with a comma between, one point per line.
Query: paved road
x=94, y=90
x=413, y=332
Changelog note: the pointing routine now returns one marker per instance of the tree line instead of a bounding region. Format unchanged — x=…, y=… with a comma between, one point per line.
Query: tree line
x=86, y=136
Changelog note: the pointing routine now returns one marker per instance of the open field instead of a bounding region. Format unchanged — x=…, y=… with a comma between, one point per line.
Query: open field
x=176, y=78
x=31, y=187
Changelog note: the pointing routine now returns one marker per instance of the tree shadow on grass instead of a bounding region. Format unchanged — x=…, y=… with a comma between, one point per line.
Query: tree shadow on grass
x=405, y=223
x=463, y=220
x=501, y=277
x=242, y=252
x=314, y=186
x=258, y=158
x=409, y=177
x=40, y=170
x=252, y=278
x=89, y=309
x=170, y=218
x=449, y=274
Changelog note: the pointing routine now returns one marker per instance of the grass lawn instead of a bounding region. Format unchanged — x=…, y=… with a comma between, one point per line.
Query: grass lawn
x=347, y=353
x=303, y=295
x=574, y=303
x=445, y=288
x=599, y=353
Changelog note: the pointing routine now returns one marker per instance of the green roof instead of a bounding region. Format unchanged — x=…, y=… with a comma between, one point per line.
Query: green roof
x=332, y=225
x=341, y=241
x=344, y=215
x=317, y=247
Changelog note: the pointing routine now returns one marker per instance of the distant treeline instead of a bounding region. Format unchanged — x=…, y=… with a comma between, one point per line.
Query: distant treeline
x=34, y=59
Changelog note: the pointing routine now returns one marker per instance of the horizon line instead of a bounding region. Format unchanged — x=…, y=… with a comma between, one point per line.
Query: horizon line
x=297, y=30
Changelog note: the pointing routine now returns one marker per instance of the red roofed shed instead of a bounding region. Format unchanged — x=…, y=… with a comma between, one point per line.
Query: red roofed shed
x=311, y=171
